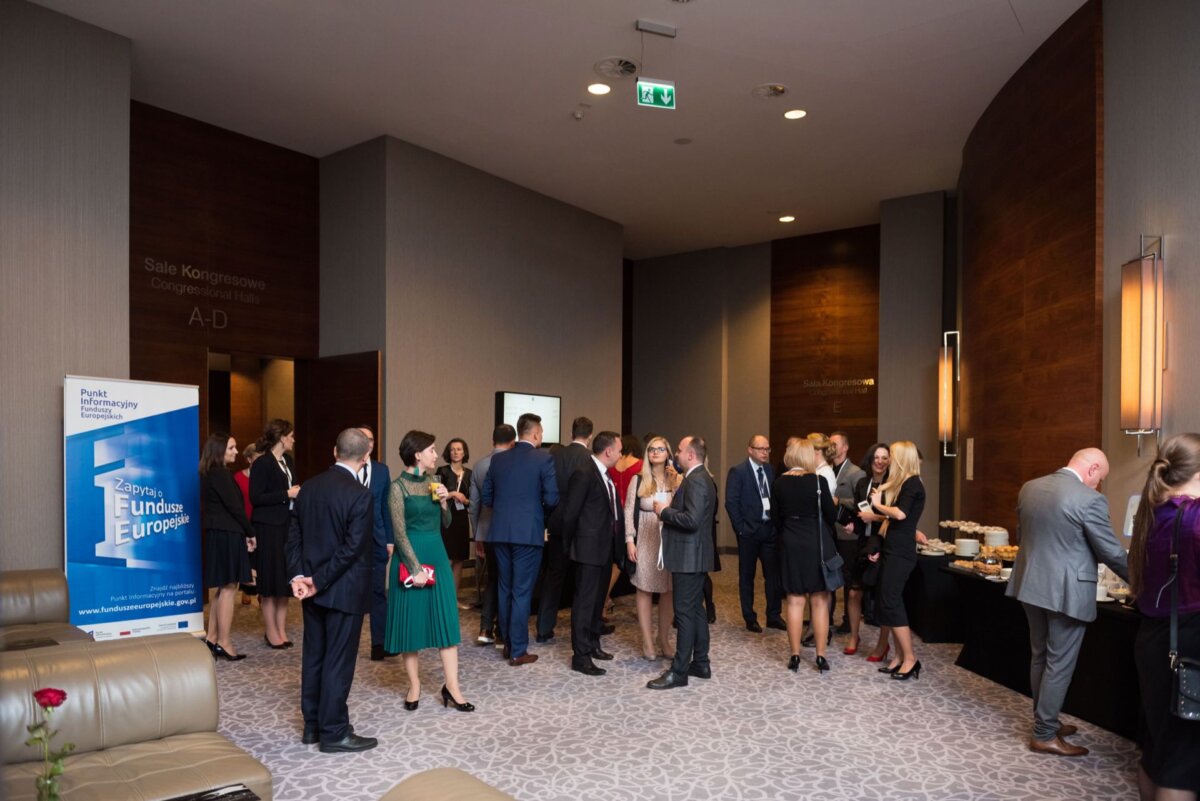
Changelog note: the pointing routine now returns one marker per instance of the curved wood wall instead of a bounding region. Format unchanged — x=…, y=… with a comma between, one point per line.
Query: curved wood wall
x=1031, y=204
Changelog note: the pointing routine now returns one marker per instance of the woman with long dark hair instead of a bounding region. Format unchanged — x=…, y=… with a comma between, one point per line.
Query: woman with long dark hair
x=1170, y=766
x=228, y=540
x=456, y=535
x=273, y=485
x=900, y=500
x=866, y=526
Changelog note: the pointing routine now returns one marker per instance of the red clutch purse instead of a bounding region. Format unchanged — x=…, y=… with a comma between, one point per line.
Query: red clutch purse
x=407, y=580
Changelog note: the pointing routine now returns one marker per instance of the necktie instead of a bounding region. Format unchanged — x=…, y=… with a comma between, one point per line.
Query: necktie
x=612, y=496
x=362, y=476
x=762, y=483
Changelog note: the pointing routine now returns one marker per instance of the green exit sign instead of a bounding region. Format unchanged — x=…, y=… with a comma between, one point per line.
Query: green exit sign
x=655, y=94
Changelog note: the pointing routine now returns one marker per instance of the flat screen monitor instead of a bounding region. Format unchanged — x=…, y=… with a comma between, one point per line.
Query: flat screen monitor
x=511, y=405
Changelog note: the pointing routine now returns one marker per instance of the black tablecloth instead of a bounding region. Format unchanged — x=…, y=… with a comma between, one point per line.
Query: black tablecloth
x=1104, y=689
x=931, y=600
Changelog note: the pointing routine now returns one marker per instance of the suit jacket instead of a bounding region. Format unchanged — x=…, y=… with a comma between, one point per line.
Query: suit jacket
x=480, y=516
x=743, y=501
x=224, y=507
x=589, y=524
x=330, y=539
x=268, y=489
x=688, y=525
x=567, y=459
x=381, y=479
x=1065, y=531
x=843, y=495
x=519, y=487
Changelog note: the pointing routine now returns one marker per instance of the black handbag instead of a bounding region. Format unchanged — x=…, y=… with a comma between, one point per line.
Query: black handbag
x=1185, y=672
x=831, y=568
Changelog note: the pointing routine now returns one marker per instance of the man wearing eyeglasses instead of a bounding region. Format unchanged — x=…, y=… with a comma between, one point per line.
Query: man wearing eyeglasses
x=748, y=503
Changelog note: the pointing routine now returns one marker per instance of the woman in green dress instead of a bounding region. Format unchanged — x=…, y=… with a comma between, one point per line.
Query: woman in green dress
x=425, y=614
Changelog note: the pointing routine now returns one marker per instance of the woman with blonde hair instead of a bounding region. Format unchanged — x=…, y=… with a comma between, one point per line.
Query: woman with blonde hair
x=643, y=537
x=1167, y=522
x=900, y=500
x=800, y=503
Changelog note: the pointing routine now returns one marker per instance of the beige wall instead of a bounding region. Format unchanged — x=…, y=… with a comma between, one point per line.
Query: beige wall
x=1151, y=186
x=489, y=287
x=279, y=389
x=64, y=252
x=701, y=352
x=910, y=333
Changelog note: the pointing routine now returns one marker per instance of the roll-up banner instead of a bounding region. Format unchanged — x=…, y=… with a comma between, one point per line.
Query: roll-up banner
x=132, y=506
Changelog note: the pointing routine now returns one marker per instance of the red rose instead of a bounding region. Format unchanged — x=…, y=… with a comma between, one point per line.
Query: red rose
x=49, y=698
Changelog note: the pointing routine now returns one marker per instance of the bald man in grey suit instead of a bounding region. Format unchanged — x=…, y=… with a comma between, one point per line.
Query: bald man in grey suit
x=1065, y=531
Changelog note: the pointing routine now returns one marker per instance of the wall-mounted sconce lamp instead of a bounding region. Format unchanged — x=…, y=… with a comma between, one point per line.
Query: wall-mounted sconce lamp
x=948, y=375
x=1143, y=341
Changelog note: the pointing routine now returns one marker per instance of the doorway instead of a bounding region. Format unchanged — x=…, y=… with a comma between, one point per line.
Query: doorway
x=245, y=391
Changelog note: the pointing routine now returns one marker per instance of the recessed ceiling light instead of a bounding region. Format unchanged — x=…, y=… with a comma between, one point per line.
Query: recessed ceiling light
x=599, y=88
x=787, y=218
x=795, y=114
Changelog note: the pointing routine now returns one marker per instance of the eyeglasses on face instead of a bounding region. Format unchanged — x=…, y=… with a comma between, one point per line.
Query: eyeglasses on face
x=656, y=449
x=764, y=450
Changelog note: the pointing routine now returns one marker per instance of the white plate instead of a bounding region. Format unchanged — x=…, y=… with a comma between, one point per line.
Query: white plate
x=997, y=579
x=1105, y=600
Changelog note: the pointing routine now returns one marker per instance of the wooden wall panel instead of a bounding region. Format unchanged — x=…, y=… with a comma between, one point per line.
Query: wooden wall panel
x=246, y=401
x=1031, y=204
x=825, y=335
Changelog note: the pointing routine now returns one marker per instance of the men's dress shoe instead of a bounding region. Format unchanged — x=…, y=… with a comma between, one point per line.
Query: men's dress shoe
x=1058, y=746
x=809, y=640
x=601, y=654
x=507, y=652
x=777, y=624
x=311, y=737
x=376, y=653
x=523, y=659
x=1067, y=729
x=700, y=672
x=544, y=638
x=350, y=744
x=844, y=627
x=607, y=628
x=587, y=668
x=667, y=681
x=753, y=626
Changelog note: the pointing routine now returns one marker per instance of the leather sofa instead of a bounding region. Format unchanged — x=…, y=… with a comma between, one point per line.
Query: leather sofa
x=141, y=712
x=444, y=784
x=34, y=606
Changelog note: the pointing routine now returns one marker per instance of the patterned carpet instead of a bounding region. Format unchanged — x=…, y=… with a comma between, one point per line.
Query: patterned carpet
x=754, y=731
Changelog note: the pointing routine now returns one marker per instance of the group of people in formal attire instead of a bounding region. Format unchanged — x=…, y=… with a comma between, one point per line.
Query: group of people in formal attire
x=355, y=541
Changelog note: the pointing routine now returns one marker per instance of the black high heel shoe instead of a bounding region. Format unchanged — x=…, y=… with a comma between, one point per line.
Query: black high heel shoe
x=279, y=647
x=212, y=647
x=411, y=706
x=914, y=673
x=794, y=663
x=822, y=664
x=895, y=669
x=220, y=653
x=448, y=701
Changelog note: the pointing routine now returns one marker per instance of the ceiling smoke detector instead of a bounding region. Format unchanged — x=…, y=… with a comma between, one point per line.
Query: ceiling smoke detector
x=616, y=68
x=769, y=90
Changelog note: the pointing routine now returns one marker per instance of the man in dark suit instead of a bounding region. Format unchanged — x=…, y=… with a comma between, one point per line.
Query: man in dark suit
x=591, y=536
x=748, y=504
x=519, y=487
x=329, y=554
x=567, y=459
x=376, y=477
x=688, y=552
x=1065, y=531
x=504, y=437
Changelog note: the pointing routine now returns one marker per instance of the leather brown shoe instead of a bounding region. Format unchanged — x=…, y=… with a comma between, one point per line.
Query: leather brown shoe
x=523, y=659
x=1067, y=729
x=1058, y=746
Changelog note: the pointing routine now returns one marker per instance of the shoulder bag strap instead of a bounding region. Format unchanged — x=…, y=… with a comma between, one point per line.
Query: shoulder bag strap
x=1173, y=650
x=820, y=520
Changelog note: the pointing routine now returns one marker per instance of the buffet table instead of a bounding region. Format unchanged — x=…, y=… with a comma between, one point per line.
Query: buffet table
x=1104, y=690
x=932, y=602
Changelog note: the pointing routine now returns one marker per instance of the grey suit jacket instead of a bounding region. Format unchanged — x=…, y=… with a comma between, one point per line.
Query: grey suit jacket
x=1065, y=531
x=843, y=495
x=480, y=515
x=688, y=522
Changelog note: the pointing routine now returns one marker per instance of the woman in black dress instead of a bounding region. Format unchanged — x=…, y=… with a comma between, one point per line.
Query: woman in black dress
x=865, y=524
x=273, y=485
x=455, y=476
x=228, y=539
x=801, y=510
x=1170, y=766
x=901, y=500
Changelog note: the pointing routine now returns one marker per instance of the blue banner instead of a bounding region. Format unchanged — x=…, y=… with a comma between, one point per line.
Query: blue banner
x=132, y=507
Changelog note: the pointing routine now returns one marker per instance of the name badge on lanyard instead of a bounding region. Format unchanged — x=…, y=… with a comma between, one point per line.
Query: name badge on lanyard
x=766, y=502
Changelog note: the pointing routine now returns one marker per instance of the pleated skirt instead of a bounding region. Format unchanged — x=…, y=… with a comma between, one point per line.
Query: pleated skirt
x=422, y=617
